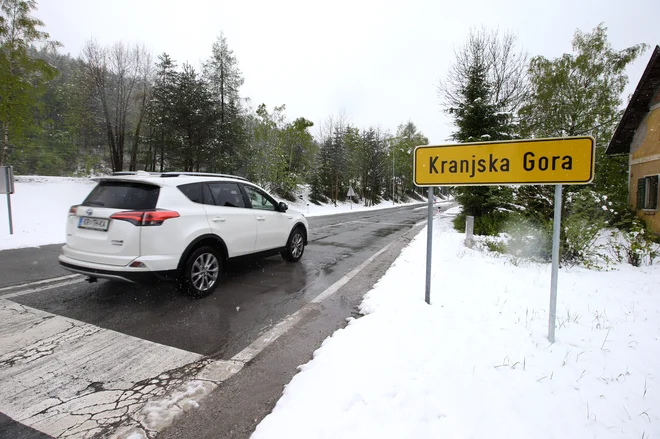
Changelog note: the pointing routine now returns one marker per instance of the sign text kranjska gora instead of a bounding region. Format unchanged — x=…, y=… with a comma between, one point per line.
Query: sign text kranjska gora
x=494, y=163
x=531, y=161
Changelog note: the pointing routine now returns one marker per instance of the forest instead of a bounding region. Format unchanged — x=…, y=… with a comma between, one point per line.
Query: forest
x=121, y=108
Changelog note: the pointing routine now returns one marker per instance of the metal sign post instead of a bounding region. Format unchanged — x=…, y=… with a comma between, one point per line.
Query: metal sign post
x=7, y=187
x=554, y=277
x=429, y=245
x=351, y=194
x=556, y=161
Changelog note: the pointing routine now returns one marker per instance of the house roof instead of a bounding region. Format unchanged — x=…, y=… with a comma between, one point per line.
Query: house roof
x=637, y=108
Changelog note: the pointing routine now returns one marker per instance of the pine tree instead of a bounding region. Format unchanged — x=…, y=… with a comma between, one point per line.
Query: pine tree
x=193, y=121
x=161, y=113
x=478, y=118
x=403, y=146
x=374, y=158
x=225, y=79
x=321, y=183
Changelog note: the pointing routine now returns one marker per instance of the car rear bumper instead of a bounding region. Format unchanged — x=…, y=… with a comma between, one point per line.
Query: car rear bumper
x=128, y=274
x=159, y=262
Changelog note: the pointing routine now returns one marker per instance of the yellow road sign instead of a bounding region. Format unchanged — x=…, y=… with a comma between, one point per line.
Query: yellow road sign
x=568, y=160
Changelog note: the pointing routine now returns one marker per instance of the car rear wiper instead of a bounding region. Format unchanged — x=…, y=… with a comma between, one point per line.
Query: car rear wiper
x=94, y=203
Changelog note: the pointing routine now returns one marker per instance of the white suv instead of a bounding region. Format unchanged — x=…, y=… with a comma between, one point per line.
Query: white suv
x=179, y=226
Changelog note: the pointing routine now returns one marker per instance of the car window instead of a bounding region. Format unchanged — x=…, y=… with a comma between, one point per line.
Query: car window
x=226, y=194
x=123, y=195
x=207, y=197
x=193, y=191
x=259, y=199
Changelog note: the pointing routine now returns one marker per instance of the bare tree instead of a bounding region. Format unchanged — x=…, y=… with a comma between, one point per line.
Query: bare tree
x=506, y=70
x=143, y=93
x=114, y=72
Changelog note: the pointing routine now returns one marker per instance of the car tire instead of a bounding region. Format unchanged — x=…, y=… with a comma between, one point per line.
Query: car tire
x=201, y=273
x=295, y=246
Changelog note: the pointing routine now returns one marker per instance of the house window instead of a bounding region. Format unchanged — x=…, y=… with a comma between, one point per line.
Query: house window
x=647, y=193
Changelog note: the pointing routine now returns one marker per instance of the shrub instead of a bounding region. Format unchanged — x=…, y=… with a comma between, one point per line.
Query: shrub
x=580, y=236
x=638, y=246
x=318, y=199
x=529, y=240
x=491, y=224
x=495, y=246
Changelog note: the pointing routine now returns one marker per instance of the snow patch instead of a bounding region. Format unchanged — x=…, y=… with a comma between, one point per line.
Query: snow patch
x=40, y=206
x=477, y=362
x=159, y=414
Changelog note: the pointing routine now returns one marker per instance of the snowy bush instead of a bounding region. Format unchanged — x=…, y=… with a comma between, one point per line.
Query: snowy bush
x=580, y=246
x=637, y=245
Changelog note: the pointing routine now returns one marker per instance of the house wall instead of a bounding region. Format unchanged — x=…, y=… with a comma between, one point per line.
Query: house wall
x=645, y=159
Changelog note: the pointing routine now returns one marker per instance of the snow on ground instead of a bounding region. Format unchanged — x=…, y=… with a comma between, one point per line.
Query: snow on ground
x=40, y=206
x=39, y=210
x=477, y=362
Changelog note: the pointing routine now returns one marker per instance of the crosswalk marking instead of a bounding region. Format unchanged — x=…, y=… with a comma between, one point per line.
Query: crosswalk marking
x=39, y=282
x=68, y=378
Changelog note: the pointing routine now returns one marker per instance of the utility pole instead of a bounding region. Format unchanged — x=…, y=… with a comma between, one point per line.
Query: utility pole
x=392, y=175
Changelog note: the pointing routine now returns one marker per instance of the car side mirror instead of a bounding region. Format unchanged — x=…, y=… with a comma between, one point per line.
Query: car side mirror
x=282, y=207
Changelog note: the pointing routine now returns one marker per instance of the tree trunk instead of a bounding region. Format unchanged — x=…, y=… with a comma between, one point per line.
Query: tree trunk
x=162, y=157
x=5, y=144
x=133, y=165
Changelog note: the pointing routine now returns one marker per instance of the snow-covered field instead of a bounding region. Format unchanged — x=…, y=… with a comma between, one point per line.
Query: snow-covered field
x=477, y=362
x=40, y=206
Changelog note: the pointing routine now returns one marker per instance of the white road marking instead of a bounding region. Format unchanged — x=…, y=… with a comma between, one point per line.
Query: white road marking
x=218, y=371
x=383, y=223
x=39, y=282
x=73, y=379
x=43, y=288
x=344, y=280
x=281, y=328
x=68, y=378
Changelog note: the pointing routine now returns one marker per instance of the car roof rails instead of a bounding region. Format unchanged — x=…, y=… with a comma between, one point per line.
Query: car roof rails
x=136, y=173
x=201, y=174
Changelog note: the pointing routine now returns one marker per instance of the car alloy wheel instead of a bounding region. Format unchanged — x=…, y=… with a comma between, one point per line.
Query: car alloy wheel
x=205, y=271
x=202, y=272
x=297, y=245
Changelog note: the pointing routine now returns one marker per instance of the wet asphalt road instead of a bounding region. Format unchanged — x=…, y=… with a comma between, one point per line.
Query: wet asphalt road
x=253, y=296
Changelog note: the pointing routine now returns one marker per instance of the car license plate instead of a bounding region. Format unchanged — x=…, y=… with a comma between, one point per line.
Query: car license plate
x=93, y=223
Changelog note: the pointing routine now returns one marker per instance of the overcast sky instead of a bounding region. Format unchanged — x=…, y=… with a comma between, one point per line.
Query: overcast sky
x=377, y=61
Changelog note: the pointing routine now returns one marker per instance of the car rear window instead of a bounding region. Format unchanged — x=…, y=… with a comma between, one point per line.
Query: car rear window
x=123, y=195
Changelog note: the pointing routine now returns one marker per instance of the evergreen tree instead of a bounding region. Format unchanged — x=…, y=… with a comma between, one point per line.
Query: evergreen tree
x=193, y=120
x=161, y=113
x=374, y=158
x=225, y=79
x=338, y=163
x=403, y=145
x=478, y=118
x=321, y=183
x=22, y=76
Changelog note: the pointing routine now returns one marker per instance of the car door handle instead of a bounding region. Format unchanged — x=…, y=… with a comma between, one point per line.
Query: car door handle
x=218, y=219
x=261, y=218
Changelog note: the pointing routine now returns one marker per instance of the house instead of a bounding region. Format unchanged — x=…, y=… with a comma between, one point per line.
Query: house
x=638, y=135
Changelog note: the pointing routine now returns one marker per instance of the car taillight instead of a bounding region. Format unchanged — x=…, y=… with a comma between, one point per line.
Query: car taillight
x=148, y=218
x=133, y=216
x=157, y=217
x=73, y=210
